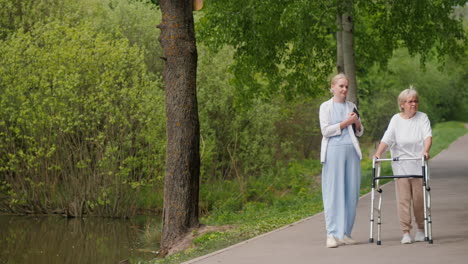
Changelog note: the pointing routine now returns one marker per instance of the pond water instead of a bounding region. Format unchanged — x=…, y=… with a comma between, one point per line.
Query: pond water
x=55, y=239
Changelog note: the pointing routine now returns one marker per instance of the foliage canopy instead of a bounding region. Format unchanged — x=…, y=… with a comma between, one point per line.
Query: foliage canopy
x=288, y=47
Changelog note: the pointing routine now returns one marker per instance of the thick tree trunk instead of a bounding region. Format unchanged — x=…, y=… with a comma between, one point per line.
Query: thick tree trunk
x=348, y=51
x=181, y=184
x=339, y=44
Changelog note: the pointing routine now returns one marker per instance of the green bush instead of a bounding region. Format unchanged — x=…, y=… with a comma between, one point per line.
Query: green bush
x=82, y=121
x=134, y=20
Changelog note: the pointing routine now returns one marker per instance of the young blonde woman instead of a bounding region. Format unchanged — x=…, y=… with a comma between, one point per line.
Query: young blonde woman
x=408, y=135
x=341, y=168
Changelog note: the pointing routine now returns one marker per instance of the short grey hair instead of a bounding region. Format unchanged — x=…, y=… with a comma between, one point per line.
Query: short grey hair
x=405, y=94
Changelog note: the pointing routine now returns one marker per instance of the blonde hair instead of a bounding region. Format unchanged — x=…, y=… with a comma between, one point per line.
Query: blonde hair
x=405, y=94
x=338, y=77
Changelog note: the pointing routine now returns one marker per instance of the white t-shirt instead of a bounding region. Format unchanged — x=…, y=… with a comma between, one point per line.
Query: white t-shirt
x=405, y=137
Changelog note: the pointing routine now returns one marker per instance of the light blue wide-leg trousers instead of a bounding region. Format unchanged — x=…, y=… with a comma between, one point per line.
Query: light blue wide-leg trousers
x=341, y=181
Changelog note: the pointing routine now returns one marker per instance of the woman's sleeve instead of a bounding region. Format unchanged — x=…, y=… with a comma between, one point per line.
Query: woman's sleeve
x=426, y=127
x=328, y=129
x=389, y=135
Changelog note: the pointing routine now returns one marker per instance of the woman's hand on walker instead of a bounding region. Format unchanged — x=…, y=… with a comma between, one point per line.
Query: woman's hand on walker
x=375, y=156
x=426, y=154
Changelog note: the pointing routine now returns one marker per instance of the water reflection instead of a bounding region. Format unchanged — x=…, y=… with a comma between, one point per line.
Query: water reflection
x=41, y=240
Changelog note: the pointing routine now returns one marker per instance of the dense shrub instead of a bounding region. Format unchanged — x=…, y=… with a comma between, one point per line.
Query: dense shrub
x=82, y=123
x=134, y=20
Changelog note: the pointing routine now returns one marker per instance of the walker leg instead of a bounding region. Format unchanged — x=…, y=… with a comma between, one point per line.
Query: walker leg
x=379, y=219
x=426, y=226
x=371, y=236
x=427, y=204
x=429, y=217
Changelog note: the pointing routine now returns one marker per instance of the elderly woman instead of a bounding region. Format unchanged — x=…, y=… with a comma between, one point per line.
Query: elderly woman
x=340, y=156
x=409, y=135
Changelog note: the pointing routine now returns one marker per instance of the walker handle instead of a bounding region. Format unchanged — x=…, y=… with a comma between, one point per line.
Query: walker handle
x=399, y=159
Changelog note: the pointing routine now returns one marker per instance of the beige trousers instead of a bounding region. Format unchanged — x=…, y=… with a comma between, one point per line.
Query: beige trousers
x=407, y=190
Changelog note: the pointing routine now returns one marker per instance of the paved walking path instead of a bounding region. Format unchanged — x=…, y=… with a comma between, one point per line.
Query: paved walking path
x=304, y=241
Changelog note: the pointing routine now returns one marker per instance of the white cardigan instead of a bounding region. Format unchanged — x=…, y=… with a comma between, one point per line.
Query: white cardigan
x=330, y=130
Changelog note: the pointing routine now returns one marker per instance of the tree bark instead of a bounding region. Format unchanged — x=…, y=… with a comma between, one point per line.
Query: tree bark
x=181, y=183
x=339, y=44
x=348, y=51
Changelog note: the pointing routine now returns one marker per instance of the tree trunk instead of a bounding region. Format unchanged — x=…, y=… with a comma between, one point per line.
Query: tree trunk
x=348, y=51
x=339, y=44
x=181, y=183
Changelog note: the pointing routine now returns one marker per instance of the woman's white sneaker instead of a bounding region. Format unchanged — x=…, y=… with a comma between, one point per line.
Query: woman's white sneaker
x=406, y=239
x=419, y=237
x=347, y=241
x=331, y=242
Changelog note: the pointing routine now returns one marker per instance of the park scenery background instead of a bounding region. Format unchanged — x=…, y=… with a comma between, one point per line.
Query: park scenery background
x=82, y=109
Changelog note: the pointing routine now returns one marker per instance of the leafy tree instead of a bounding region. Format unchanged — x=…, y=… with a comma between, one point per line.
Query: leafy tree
x=278, y=44
x=289, y=45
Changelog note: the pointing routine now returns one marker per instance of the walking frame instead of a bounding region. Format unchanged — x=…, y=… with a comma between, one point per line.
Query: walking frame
x=376, y=166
